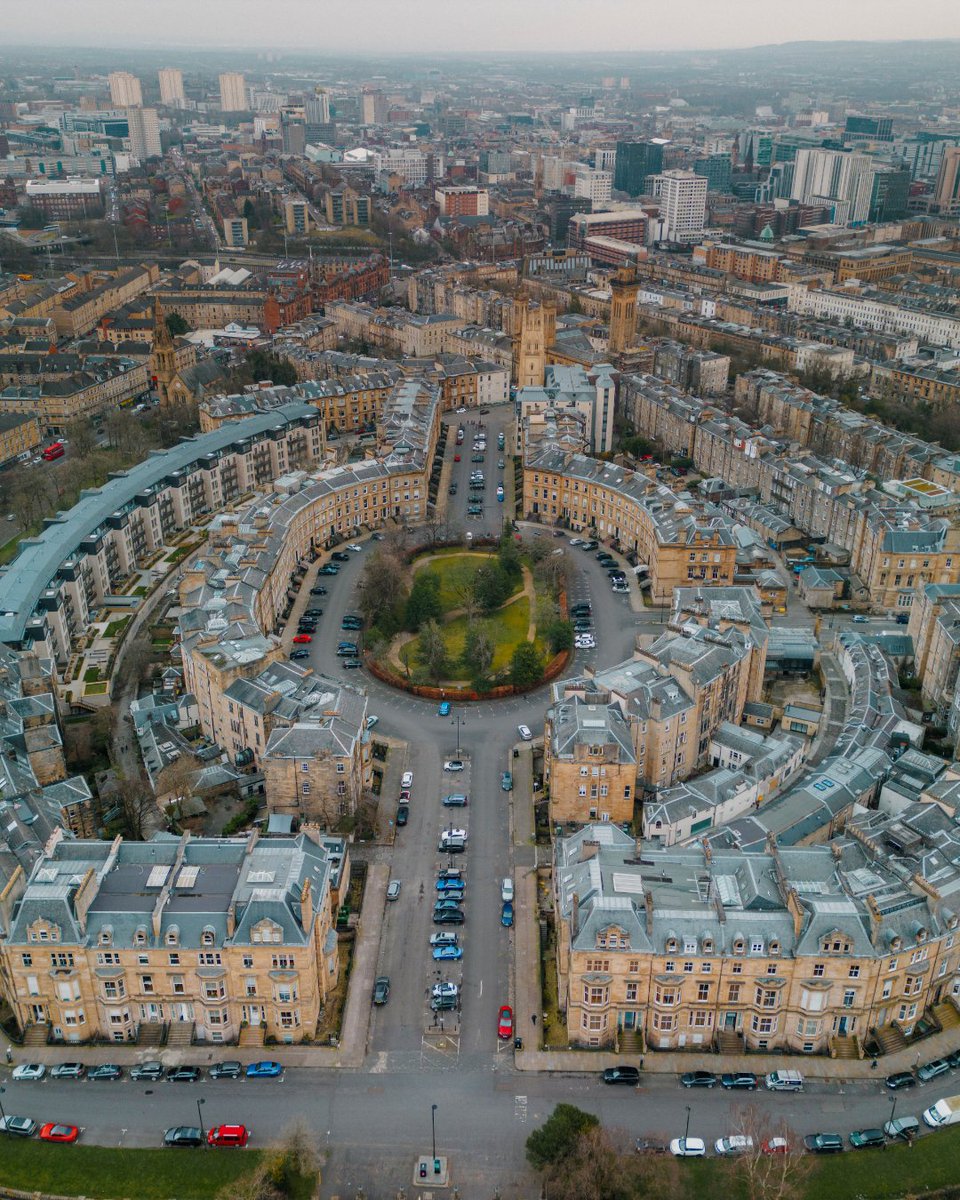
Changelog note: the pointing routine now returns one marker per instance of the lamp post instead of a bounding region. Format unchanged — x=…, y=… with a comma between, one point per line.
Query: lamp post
x=199, y=1113
x=456, y=720
x=686, y=1130
x=433, y=1127
x=893, y=1106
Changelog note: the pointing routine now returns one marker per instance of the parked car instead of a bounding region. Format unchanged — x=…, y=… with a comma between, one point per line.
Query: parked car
x=823, y=1143
x=265, y=1069
x=446, y=988
x=444, y=709
x=775, y=1145
x=27, y=1071
x=506, y=915
x=862, y=1138
x=183, y=1074
x=627, y=1075
x=505, y=1023
x=329, y=569
x=184, y=1135
x=699, y=1079
x=318, y=590
x=18, y=1126
x=447, y=953
x=448, y=904
x=930, y=1070
x=106, y=1071
x=449, y=917
x=226, y=1070
x=444, y=939
x=340, y=556
x=314, y=612
x=455, y=800
x=302, y=639
x=900, y=1080
x=406, y=779
x=53, y=1132
x=393, y=889
x=506, y=889
x=860, y=619
x=905, y=1127
x=68, y=1070
x=689, y=1147
x=355, y=547
x=228, y=1135
x=737, y=1143
x=525, y=733
x=151, y=1072
x=444, y=1003
x=506, y=782
x=381, y=989
x=740, y=1081
x=403, y=814
x=454, y=764
x=296, y=655
x=352, y=664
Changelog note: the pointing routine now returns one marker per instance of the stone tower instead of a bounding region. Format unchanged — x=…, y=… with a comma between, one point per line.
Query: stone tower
x=534, y=330
x=164, y=355
x=623, y=309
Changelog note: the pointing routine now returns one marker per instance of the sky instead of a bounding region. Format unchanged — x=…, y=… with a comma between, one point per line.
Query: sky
x=409, y=26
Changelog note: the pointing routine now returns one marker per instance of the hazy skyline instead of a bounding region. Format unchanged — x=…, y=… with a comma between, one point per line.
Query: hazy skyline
x=495, y=25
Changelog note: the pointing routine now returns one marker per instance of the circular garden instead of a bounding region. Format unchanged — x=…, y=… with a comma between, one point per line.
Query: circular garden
x=467, y=621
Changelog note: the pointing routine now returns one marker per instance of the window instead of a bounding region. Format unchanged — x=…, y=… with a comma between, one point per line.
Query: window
x=688, y=968
x=248, y=960
x=634, y=966
x=854, y=972
x=631, y=991
x=703, y=991
x=209, y=960
x=733, y=993
x=26, y=960
x=766, y=998
x=177, y=983
x=736, y=968
x=146, y=984
x=594, y=995
x=756, y=946
x=174, y=960
x=818, y=969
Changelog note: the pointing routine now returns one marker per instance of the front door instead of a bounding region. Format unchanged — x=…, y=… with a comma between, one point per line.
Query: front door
x=842, y=1027
x=730, y=1020
x=629, y=1020
x=39, y=1013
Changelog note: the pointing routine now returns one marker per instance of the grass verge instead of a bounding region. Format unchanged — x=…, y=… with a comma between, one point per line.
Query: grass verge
x=102, y=1172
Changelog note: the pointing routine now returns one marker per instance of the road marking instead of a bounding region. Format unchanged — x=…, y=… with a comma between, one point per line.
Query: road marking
x=520, y=1109
x=481, y=987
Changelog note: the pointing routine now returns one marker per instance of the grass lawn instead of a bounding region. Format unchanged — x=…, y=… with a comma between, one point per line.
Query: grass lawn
x=509, y=626
x=147, y=1174
x=854, y=1175
x=456, y=571
x=116, y=627
x=96, y=689
x=91, y=675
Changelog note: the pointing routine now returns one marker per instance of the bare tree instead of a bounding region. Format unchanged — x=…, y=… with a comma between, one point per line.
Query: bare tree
x=433, y=650
x=775, y=1167
x=138, y=805
x=175, y=783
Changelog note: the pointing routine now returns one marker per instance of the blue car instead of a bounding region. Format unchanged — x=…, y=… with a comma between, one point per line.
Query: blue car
x=506, y=915
x=442, y=953
x=444, y=709
x=264, y=1070
x=450, y=885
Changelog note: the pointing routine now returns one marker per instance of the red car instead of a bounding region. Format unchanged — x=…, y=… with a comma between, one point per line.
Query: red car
x=228, y=1135
x=775, y=1145
x=505, y=1023
x=58, y=1133
x=302, y=638
x=456, y=458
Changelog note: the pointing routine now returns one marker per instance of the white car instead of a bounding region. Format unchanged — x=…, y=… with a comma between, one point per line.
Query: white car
x=575, y=541
x=737, y=1143
x=406, y=779
x=506, y=890
x=355, y=547
x=585, y=643
x=29, y=1071
x=372, y=720
x=453, y=764
x=525, y=733
x=688, y=1147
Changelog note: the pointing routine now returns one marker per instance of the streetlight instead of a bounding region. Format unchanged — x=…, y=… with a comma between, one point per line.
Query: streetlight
x=893, y=1105
x=456, y=719
x=433, y=1126
x=199, y=1113
x=687, y=1129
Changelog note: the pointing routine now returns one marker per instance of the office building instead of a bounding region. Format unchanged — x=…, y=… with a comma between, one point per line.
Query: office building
x=317, y=108
x=840, y=178
x=868, y=129
x=634, y=161
x=890, y=193
x=462, y=201
x=297, y=217
x=946, y=195
x=171, y=87
x=66, y=199
x=235, y=231
x=344, y=206
x=683, y=205
x=144, y=133
x=125, y=89
x=233, y=92
x=592, y=185
x=717, y=170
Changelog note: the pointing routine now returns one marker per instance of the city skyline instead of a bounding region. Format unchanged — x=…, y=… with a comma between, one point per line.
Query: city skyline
x=497, y=27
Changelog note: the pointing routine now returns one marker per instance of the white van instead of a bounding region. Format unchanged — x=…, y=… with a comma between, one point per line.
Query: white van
x=785, y=1081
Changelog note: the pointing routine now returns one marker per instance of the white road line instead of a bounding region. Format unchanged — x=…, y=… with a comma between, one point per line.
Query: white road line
x=481, y=987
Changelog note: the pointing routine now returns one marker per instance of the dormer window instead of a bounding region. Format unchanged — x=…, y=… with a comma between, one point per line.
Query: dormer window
x=739, y=946
x=140, y=937
x=173, y=937
x=671, y=945
x=207, y=937
x=774, y=947
x=106, y=937
x=707, y=945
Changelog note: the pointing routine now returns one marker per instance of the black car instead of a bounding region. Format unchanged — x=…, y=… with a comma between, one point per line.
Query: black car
x=823, y=1143
x=628, y=1075
x=443, y=1003
x=581, y=610
x=403, y=814
x=105, y=1071
x=318, y=591
x=381, y=990
x=299, y=653
x=340, y=556
x=694, y=1079
x=226, y=1070
x=184, y=1135
x=313, y=612
x=151, y=1071
x=902, y=1079
x=741, y=1081
x=449, y=916
x=307, y=627
x=352, y=664
x=861, y=1138
x=184, y=1074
